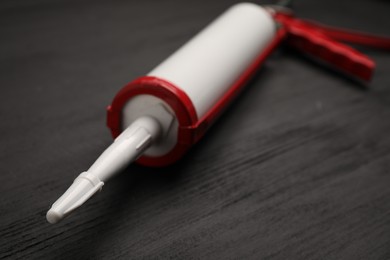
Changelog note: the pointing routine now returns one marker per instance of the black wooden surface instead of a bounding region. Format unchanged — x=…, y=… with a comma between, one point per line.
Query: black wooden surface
x=298, y=168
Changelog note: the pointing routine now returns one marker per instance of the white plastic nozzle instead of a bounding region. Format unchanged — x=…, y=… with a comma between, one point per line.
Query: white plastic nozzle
x=83, y=187
x=127, y=147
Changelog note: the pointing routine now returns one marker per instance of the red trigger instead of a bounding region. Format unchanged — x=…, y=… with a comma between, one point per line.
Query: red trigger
x=322, y=42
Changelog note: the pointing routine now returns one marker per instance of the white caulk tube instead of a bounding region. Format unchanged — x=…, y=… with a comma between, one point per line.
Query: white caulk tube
x=156, y=118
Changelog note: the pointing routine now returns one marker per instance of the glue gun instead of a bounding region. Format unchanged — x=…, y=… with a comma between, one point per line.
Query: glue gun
x=156, y=118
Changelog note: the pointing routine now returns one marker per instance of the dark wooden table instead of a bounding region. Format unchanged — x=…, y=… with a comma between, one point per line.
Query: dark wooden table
x=299, y=167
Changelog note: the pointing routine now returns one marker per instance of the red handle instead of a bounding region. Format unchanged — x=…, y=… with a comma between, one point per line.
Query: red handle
x=320, y=41
x=337, y=54
x=357, y=37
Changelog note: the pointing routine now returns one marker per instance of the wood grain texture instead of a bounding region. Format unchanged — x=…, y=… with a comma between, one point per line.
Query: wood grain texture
x=298, y=167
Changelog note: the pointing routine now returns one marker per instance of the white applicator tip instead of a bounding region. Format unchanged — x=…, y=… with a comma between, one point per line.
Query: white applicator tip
x=83, y=187
x=53, y=217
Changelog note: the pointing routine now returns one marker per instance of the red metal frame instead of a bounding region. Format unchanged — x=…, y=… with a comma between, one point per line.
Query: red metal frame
x=309, y=37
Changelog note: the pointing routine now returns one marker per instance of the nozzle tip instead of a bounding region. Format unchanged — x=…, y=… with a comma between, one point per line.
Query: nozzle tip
x=53, y=216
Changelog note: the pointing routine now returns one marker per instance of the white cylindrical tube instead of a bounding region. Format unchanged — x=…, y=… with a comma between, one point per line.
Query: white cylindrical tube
x=187, y=91
x=207, y=66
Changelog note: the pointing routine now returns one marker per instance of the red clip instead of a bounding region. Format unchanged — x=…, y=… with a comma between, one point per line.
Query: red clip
x=322, y=42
